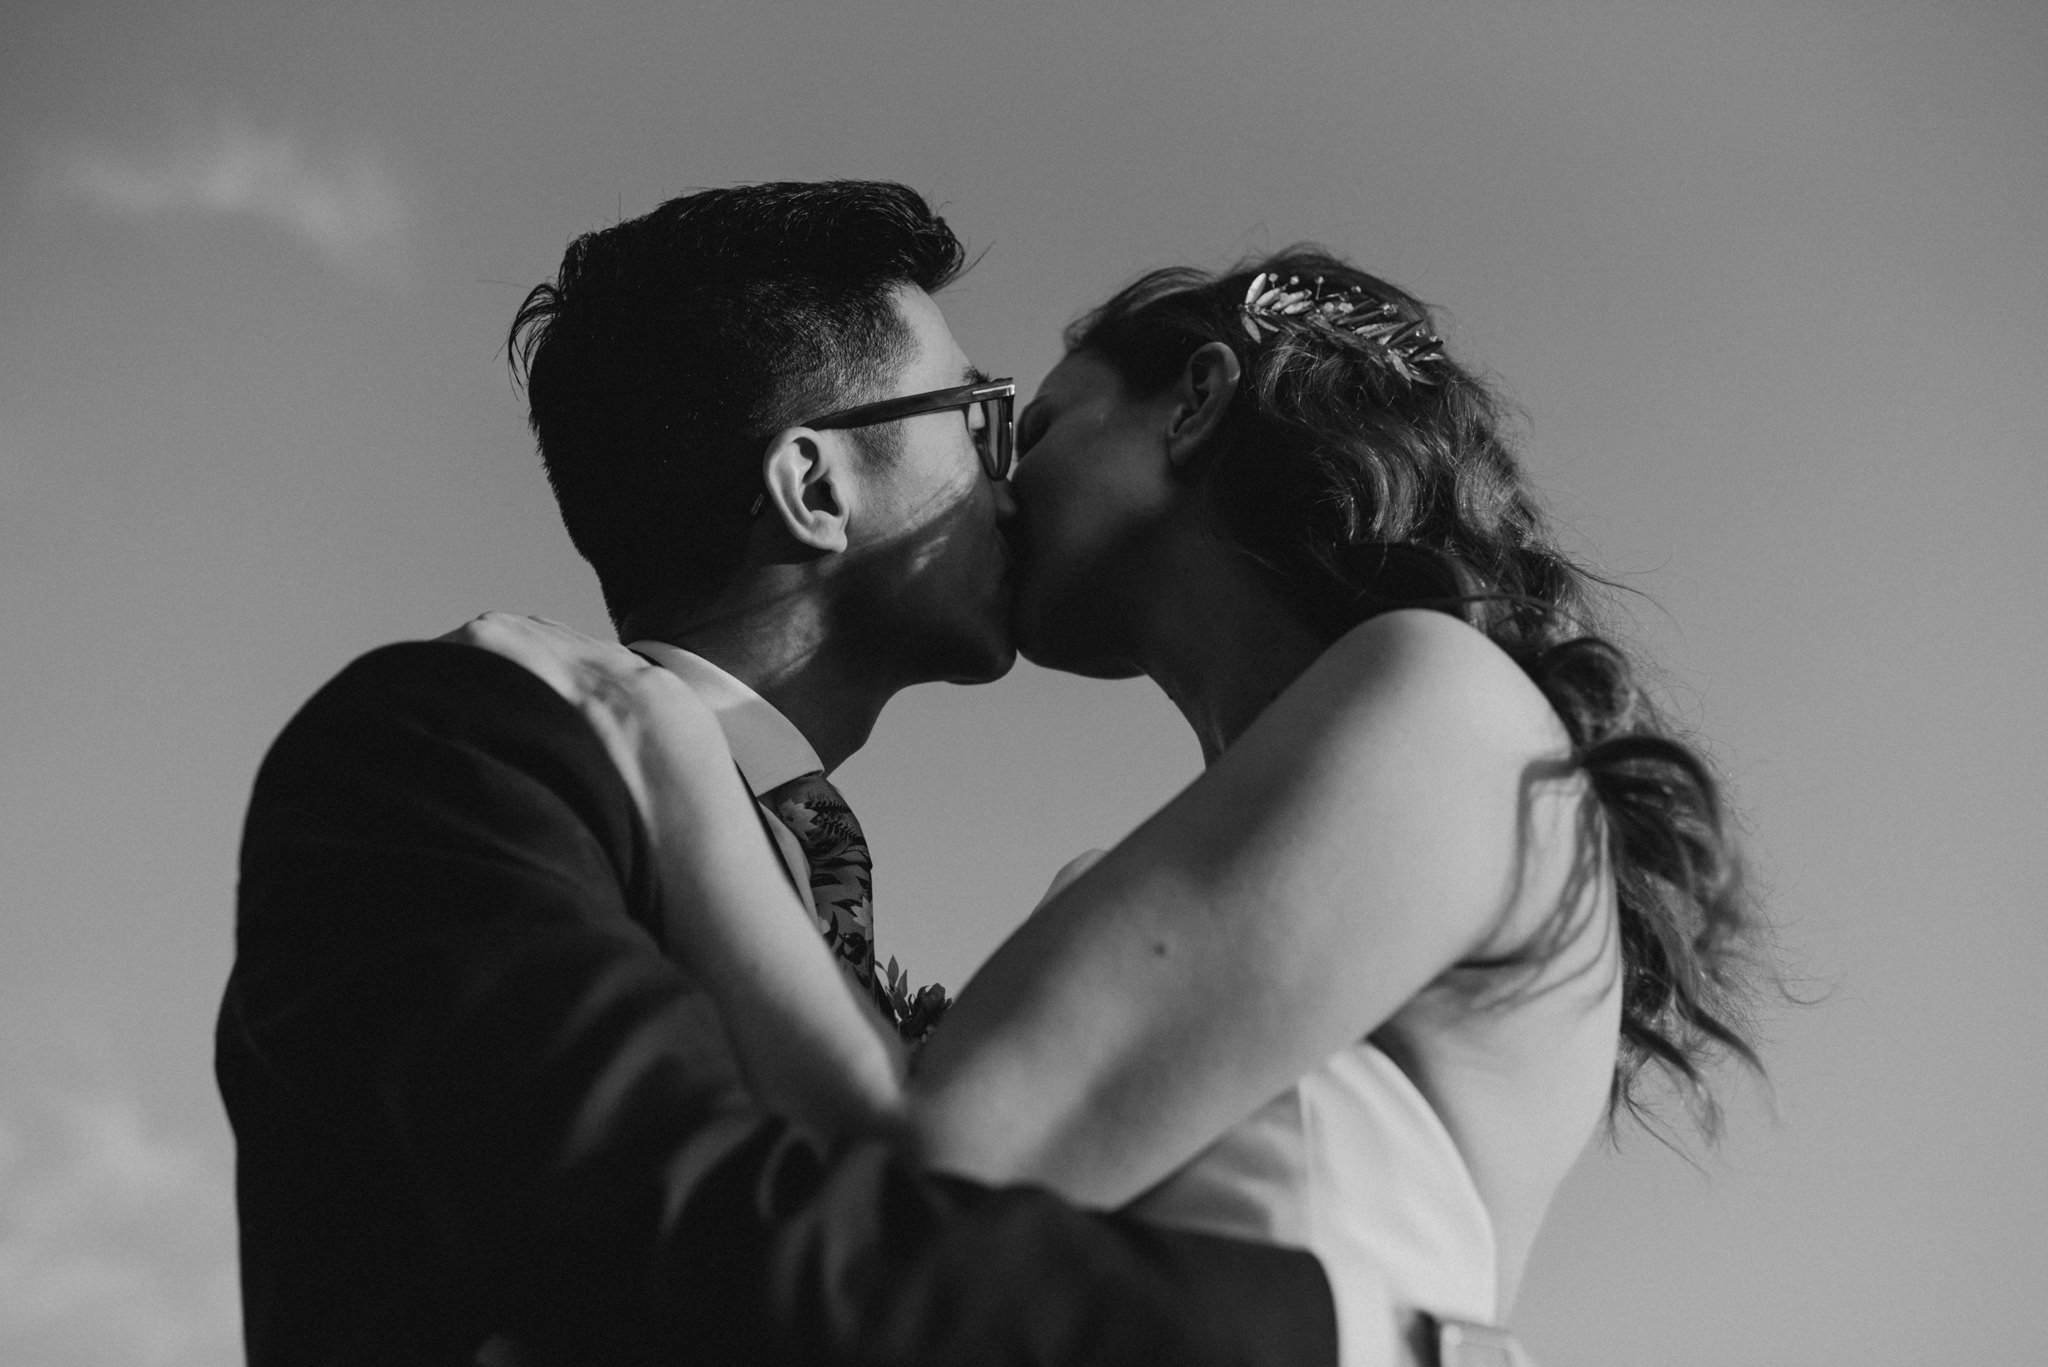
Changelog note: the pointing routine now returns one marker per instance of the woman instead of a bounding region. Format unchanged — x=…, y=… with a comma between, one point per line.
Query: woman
x=1445, y=887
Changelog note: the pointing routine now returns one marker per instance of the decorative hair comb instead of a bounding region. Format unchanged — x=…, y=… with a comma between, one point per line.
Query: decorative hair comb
x=1401, y=344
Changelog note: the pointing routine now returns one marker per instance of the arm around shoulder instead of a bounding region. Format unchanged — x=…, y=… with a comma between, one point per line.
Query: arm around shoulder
x=1356, y=841
x=810, y=1046
x=470, y=1097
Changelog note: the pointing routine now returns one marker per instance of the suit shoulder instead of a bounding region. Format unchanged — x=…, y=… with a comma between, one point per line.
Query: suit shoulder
x=452, y=689
x=434, y=668
x=398, y=713
x=436, y=744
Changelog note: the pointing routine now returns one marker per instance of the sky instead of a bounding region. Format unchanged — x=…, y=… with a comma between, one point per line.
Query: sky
x=1768, y=280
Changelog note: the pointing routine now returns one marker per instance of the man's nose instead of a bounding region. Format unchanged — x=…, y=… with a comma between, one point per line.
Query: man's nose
x=1005, y=500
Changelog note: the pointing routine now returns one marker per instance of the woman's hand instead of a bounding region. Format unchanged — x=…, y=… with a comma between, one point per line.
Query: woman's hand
x=647, y=718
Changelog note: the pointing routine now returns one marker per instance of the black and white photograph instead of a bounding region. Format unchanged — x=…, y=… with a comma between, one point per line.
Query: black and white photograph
x=1301, y=684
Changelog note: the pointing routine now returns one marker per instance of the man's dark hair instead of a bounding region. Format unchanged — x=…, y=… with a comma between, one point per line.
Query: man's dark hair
x=669, y=348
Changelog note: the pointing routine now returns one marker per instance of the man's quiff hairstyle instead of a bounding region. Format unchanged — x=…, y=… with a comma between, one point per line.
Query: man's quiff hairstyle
x=669, y=348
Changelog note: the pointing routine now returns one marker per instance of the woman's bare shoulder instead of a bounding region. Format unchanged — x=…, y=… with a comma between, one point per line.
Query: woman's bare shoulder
x=1435, y=670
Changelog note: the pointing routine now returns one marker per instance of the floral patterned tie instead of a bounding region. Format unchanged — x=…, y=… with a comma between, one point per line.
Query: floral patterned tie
x=842, y=887
x=842, y=873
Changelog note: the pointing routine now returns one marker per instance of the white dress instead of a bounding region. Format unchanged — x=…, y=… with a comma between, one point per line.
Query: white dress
x=1352, y=1164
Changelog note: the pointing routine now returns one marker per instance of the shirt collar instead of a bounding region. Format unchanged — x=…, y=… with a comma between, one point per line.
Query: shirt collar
x=767, y=746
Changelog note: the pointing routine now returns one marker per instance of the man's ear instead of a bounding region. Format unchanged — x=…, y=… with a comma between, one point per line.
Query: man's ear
x=1202, y=396
x=803, y=479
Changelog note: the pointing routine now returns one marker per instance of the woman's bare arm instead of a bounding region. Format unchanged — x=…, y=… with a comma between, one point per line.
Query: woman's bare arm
x=809, y=1043
x=809, y=1046
x=1361, y=837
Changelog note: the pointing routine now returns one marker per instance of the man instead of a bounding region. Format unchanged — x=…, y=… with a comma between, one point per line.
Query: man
x=481, y=1117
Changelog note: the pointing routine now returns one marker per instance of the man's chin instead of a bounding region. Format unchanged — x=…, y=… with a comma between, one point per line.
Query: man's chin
x=1086, y=669
x=979, y=654
x=1060, y=657
x=988, y=670
x=1040, y=640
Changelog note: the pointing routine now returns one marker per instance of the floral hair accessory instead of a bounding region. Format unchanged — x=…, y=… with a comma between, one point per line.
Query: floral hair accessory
x=1401, y=344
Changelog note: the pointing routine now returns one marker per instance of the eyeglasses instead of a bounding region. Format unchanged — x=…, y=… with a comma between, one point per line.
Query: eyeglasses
x=995, y=440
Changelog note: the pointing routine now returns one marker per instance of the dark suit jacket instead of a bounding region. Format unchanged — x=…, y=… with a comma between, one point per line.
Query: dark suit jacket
x=472, y=1099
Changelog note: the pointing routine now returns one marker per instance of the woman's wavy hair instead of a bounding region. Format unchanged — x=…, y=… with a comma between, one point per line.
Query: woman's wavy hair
x=1364, y=483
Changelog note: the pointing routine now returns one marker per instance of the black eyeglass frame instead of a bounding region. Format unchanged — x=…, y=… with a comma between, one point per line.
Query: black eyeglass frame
x=998, y=453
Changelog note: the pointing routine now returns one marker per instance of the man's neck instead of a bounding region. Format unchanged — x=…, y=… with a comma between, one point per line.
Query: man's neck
x=783, y=650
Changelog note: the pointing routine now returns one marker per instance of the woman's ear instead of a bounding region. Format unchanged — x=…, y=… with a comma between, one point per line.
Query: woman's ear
x=1202, y=396
x=803, y=480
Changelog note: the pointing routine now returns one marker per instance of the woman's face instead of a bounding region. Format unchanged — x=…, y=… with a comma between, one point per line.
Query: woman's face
x=1092, y=485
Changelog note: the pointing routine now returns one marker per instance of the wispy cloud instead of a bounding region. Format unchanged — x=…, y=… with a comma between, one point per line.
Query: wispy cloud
x=116, y=1239
x=342, y=203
